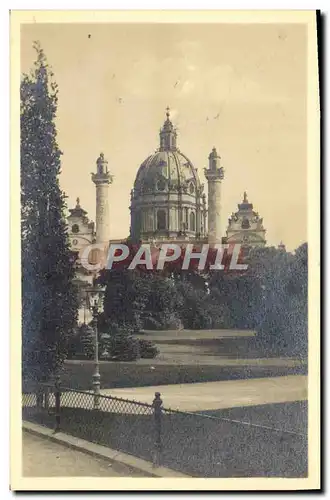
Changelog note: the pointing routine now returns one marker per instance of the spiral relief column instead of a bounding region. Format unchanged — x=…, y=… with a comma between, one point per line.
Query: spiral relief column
x=102, y=178
x=214, y=175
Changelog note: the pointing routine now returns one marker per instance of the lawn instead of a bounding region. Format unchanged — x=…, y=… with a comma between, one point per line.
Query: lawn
x=196, y=445
x=78, y=374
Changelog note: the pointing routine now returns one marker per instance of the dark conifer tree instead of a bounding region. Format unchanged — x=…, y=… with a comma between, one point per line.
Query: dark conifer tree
x=49, y=297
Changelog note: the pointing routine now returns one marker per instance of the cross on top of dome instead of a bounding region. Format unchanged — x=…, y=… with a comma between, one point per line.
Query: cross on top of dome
x=168, y=124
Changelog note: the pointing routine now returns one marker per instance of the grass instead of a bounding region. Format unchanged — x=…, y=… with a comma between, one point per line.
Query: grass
x=78, y=375
x=242, y=347
x=292, y=416
x=192, y=444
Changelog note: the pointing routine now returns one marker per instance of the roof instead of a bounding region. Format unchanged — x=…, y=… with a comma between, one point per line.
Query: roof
x=77, y=211
x=172, y=167
x=168, y=165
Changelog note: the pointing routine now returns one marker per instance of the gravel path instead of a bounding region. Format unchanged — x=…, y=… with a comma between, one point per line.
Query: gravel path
x=44, y=458
x=216, y=395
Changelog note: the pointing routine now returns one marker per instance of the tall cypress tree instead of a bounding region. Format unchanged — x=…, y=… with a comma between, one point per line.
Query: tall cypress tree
x=49, y=297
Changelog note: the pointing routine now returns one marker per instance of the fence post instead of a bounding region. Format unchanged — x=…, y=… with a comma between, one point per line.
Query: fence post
x=46, y=398
x=157, y=405
x=57, y=404
x=39, y=396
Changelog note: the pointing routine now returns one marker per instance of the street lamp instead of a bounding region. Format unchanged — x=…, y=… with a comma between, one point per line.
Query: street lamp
x=94, y=301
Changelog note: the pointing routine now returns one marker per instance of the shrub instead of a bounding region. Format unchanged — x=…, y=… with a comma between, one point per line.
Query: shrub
x=87, y=340
x=162, y=321
x=118, y=344
x=73, y=346
x=123, y=347
x=148, y=349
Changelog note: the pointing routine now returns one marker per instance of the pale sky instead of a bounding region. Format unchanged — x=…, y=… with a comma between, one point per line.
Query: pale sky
x=252, y=77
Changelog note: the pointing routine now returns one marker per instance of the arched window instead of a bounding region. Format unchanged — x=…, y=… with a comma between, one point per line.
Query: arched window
x=161, y=219
x=75, y=228
x=192, y=221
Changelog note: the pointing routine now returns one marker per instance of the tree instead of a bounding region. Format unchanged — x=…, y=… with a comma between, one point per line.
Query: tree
x=296, y=310
x=49, y=299
x=125, y=298
x=164, y=305
x=270, y=297
x=280, y=299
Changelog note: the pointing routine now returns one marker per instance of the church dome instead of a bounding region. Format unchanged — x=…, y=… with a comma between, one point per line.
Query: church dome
x=167, y=170
x=168, y=181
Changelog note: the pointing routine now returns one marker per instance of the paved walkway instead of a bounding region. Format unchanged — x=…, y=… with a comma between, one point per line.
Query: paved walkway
x=44, y=458
x=216, y=395
x=197, y=396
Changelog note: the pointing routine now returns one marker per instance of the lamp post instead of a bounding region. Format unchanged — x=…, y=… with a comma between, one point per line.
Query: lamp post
x=94, y=299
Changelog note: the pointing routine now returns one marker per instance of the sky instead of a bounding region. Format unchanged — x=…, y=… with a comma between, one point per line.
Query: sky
x=239, y=87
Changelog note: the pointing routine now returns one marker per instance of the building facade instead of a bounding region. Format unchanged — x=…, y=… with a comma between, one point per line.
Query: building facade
x=168, y=202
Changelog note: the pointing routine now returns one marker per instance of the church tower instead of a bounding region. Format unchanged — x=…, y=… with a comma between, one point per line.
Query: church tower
x=102, y=179
x=214, y=175
x=245, y=227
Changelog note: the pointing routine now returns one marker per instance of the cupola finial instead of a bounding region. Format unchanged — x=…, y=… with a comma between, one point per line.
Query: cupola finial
x=168, y=134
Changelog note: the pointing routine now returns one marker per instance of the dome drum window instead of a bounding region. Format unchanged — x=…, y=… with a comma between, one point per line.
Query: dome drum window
x=192, y=221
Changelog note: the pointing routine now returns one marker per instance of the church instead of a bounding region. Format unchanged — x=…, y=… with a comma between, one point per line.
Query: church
x=168, y=203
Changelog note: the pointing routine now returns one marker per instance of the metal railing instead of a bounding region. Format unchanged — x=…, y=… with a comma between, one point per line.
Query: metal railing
x=196, y=444
x=213, y=446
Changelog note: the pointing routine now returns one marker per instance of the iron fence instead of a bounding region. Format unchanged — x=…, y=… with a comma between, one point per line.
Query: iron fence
x=211, y=446
x=197, y=444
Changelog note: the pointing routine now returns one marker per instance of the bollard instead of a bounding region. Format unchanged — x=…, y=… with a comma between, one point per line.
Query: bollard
x=57, y=404
x=157, y=405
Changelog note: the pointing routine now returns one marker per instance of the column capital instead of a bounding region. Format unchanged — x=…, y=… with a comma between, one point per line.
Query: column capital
x=105, y=178
x=214, y=175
